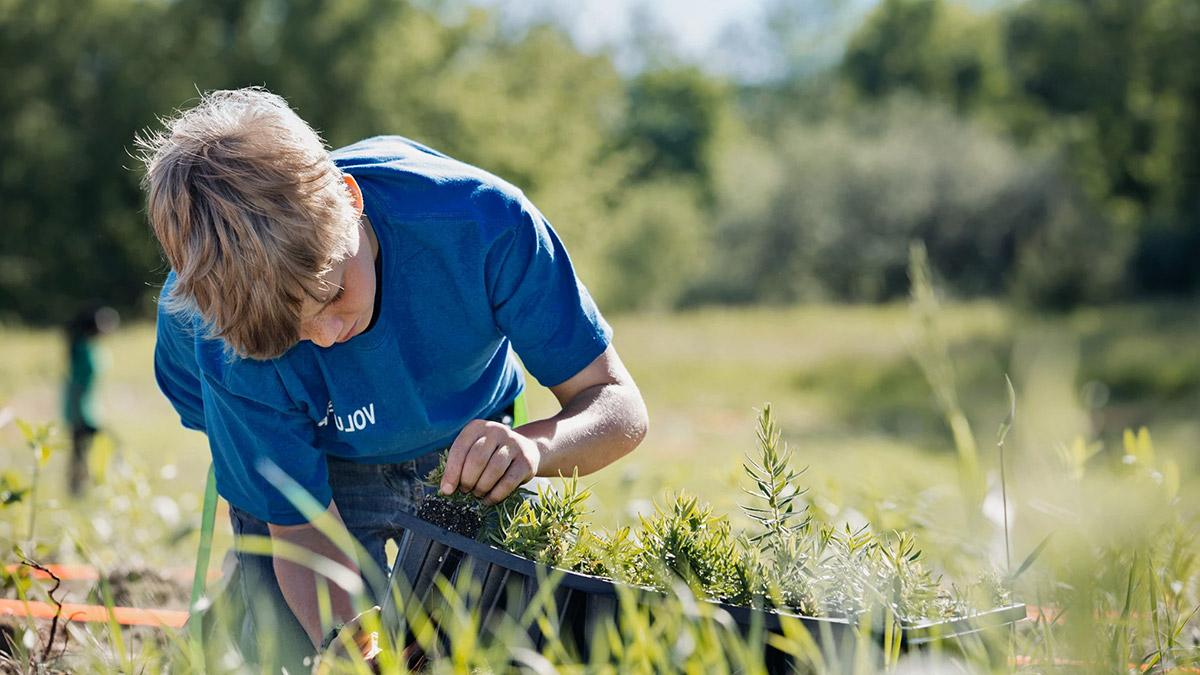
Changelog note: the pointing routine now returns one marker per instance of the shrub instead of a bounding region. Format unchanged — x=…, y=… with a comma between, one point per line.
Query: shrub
x=685, y=541
x=828, y=209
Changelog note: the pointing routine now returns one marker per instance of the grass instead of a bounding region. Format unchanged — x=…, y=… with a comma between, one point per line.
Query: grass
x=855, y=410
x=846, y=392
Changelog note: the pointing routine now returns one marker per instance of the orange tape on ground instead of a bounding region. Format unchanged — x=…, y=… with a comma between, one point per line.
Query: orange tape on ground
x=64, y=572
x=69, y=572
x=126, y=616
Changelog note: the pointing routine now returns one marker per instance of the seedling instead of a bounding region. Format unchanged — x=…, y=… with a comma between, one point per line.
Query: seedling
x=786, y=562
x=546, y=528
x=463, y=513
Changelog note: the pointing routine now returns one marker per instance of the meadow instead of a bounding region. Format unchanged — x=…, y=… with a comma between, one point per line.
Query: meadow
x=866, y=397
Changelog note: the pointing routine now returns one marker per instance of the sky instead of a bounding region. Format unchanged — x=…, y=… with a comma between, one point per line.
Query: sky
x=722, y=36
x=692, y=26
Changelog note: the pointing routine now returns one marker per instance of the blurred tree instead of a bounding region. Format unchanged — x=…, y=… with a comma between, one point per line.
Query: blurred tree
x=1115, y=84
x=659, y=246
x=1119, y=84
x=939, y=49
x=818, y=199
x=826, y=210
x=73, y=94
x=535, y=111
x=673, y=125
x=527, y=106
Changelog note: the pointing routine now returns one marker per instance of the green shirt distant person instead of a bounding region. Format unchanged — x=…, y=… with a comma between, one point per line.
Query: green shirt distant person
x=83, y=365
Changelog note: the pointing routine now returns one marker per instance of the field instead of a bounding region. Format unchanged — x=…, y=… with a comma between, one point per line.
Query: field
x=857, y=409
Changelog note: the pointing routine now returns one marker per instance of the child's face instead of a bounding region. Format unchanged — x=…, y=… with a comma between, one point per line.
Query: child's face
x=351, y=303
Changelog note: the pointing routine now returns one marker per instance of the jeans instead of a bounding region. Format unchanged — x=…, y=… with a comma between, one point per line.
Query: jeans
x=366, y=496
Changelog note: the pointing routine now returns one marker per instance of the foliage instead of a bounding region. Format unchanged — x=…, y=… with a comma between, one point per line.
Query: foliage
x=775, y=482
x=932, y=354
x=934, y=47
x=1101, y=507
x=485, y=520
x=545, y=528
x=1088, y=194
x=673, y=123
x=658, y=244
x=12, y=489
x=827, y=209
x=527, y=106
x=606, y=554
x=1118, y=517
x=787, y=562
x=685, y=541
x=1125, y=120
x=824, y=570
x=41, y=445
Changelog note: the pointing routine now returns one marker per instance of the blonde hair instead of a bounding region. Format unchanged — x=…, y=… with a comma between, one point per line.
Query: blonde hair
x=251, y=213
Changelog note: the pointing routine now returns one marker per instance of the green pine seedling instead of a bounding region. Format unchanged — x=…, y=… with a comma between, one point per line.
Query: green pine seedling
x=685, y=541
x=775, y=483
x=547, y=528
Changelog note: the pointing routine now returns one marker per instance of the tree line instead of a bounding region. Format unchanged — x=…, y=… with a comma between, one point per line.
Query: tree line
x=1045, y=151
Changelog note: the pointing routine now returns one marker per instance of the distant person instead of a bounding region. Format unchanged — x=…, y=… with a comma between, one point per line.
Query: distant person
x=342, y=317
x=83, y=365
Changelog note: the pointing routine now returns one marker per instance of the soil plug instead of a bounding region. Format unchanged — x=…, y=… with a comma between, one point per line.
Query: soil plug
x=456, y=515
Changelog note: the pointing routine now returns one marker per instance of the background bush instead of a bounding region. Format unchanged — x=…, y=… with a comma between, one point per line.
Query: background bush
x=825, y=210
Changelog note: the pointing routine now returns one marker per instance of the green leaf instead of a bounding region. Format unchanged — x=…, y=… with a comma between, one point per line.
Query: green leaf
x=27, y=431
x=1138, y=447
x=12, y=488
x=1006, y=425
x=1183, y=623
x=1029, y=559
x=100, y=457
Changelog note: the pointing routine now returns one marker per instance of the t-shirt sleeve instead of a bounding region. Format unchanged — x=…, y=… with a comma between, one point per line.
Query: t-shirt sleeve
x=175, y=369
x=538, y=301
x=248, y=431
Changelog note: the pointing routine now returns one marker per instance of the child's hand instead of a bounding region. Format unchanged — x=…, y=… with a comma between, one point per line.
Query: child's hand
x=361, y=632
x=489, y=460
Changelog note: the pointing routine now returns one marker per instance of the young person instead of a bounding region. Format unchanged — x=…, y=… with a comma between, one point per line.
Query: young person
x=84, y=363
x=340, y=318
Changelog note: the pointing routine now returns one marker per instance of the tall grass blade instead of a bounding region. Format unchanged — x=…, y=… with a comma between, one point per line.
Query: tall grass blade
x=1031, y=558
x=1000, y=436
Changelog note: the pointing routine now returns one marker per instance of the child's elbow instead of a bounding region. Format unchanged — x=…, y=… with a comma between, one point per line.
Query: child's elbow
x=637, y=419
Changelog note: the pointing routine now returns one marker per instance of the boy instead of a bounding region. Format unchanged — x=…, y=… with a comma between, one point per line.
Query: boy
x=344, y=316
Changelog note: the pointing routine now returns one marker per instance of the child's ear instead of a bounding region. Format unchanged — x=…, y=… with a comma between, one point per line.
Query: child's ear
x=356, y=196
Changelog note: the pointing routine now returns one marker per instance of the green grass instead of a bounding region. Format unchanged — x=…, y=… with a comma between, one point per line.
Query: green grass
x=853, y=407
x=846, y=391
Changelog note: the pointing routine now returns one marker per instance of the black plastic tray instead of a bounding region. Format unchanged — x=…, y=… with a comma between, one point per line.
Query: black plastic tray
x=583, y=603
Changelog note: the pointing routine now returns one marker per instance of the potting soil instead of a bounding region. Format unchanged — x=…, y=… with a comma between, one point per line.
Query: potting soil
x=460, y=517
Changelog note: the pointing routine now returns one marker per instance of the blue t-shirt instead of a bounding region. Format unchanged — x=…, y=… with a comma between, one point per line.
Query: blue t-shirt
x=469, y=268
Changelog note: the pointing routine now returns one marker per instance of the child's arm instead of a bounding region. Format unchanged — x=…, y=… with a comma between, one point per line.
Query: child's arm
x=299, y=584
x=603, y=417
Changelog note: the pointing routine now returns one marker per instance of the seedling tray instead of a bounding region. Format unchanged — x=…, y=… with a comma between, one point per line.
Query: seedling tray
x=507, y=584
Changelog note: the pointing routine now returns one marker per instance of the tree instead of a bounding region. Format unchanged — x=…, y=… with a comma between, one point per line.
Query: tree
x=1119, y=84
x=526, y=106
x=673, y=125
x=937, y=49
x=828, y=209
